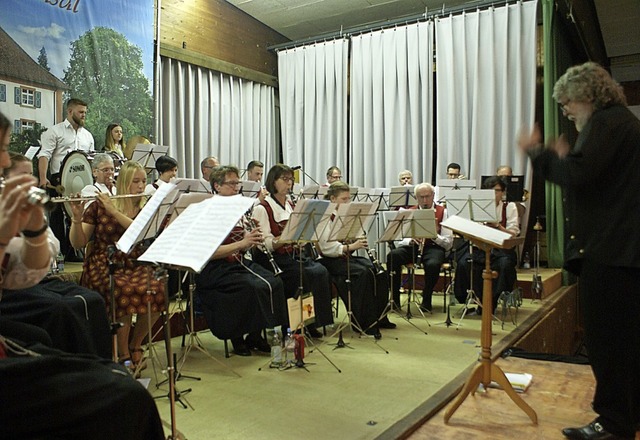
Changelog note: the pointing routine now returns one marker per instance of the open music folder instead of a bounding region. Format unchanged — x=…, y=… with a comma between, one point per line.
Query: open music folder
x=194, y=236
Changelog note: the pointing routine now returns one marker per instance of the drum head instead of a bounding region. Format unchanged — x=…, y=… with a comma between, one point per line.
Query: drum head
x=75, y=174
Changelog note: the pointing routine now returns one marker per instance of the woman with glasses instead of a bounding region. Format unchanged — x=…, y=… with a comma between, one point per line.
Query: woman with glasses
x=272, y=216
x=103, y=171
x=238, y=296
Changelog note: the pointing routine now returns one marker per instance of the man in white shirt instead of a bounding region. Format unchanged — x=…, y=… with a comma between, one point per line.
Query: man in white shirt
x=58, y=141
x=255, y=171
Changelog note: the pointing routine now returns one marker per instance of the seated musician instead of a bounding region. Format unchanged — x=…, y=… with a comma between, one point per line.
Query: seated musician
x=503, y=261
x=272, y=216
x=369, y=290
x=103, y=171
x=47, y=393
x=405, y=177
x=453, y=171
x=135, y=288
x=167, y=168
x=73, y=317
x=255, y=171
x=238, y=296
x=333, y=175
x=430, y=251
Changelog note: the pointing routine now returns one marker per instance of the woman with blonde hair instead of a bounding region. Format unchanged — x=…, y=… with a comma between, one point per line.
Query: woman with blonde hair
x=135, y=288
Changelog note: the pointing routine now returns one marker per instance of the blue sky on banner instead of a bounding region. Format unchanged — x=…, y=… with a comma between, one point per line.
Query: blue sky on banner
x=54, y=24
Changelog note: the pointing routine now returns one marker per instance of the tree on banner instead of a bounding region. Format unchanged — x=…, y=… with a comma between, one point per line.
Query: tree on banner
x=106, y=71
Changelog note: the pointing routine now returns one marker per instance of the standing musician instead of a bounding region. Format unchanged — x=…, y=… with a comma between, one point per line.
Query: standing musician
x=431, y=252
x=272, y=216
x=135, y=287
x=368, y=289
x=58, y=141
x=239, y=297
x=502, y=260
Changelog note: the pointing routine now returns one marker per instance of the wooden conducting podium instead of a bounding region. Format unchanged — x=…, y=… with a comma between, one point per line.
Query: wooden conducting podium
x=485, y=238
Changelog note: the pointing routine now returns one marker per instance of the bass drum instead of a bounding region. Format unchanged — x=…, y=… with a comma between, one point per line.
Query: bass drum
x=75, y=174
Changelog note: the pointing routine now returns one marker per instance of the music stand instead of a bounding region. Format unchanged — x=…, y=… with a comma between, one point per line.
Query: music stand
x=147, y=154
x=402, y=196
x=414, y=223
x=352, y=222
x=306, y=221
x=310, y=192
x=250, y=189
x=444, y=186
x=485, y=238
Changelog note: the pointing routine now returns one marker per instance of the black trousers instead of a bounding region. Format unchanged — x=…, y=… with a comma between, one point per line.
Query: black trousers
x=610, y=303
x=61, y=396
x=432, y=258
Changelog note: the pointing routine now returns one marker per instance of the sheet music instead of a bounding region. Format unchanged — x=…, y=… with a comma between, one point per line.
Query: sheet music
x=31, y=152
x=133, y=234
x=185, y=200
x=310, y=192
x=196, y=234
x=467, y=227
x=402, y=196
x=303, y=221
x=421, y=223
x=353, y=220
x=396, y=220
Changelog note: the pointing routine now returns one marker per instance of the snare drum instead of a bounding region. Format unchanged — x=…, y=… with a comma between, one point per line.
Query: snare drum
x=75, y=174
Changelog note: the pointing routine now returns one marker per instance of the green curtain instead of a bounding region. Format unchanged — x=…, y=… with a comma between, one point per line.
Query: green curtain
x=553, y=193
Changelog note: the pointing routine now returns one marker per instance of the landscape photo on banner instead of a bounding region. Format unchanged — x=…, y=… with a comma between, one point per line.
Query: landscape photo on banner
x=98, y=51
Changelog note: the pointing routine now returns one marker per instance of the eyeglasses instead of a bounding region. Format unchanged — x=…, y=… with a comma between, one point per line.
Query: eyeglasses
x=107, y=170
x=287, y=178
x=232, y=183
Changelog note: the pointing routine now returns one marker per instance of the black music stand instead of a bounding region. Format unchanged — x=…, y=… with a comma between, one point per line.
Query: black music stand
x=147, y=154
x=414, y=224
x=486, y=238
x=402, y=197
x=305, y=221
x=352, y=222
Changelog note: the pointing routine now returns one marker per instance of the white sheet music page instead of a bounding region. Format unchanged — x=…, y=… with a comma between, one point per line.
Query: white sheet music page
x=194, y=236
x=133, y=233
x=469, y=228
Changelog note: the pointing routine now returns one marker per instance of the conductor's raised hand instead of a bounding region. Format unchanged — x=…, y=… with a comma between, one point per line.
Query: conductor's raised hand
x=529, y=139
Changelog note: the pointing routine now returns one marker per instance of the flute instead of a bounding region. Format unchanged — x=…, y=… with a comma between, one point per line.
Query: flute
x=93, y=197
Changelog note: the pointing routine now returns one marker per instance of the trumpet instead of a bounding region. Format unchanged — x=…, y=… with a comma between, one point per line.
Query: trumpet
x=66, y=199
x=251, y=225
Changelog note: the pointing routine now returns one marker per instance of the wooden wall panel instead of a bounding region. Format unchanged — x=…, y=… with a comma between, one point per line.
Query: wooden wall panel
x=216, y=29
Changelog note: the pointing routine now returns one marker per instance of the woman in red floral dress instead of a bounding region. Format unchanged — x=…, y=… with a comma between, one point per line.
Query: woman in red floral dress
x=135, y=288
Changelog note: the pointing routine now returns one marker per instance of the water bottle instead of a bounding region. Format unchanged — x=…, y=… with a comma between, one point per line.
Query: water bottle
x=289, y=346
x=276, y=348
x=60, y=262
x=526, y=261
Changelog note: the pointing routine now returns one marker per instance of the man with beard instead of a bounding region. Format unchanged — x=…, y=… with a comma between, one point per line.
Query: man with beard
x=58, y=141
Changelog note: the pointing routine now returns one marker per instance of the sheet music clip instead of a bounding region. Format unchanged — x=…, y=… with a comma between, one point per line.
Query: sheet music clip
x=147, y=154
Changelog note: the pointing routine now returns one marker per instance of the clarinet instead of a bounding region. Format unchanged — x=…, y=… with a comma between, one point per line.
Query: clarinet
x=376, y=264
x=251, y=225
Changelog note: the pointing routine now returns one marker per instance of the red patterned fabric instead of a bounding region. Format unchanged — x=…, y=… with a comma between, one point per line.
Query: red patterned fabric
x=134, y=284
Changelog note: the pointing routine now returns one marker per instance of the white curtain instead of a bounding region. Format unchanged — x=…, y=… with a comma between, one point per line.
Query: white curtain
x=207, y=113
x=486, y=72
x=391, y=105
x=313, y=106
